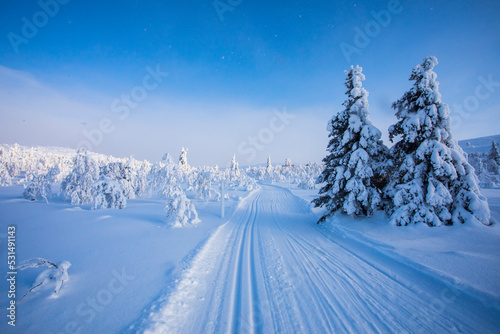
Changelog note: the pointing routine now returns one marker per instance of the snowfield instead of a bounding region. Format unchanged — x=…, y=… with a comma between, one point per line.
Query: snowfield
x=267, y=268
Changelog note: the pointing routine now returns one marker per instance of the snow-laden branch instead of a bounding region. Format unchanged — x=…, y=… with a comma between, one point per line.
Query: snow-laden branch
x=57, y=273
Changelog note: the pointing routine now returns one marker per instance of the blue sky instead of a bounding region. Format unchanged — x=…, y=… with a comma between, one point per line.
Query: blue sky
x=228, y=79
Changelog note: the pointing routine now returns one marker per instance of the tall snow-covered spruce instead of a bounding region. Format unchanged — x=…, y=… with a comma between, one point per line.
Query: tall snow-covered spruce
x=433, y=182
x=354, y=166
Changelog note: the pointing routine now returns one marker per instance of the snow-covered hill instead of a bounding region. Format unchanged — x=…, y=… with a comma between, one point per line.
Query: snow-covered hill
x=478, y=145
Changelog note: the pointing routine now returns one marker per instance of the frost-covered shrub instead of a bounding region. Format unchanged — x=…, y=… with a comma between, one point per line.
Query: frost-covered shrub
x=41, y=185
x=123, y=175
x=165, y=177
x=140, y=176
x=486, y=167
x=292, y=174
x=109, y=194
x=5, y=178
x=78, y=186
x=433, y=182
x=356, y=156
x=180, y=209
x=204, y=184
x=308, y=184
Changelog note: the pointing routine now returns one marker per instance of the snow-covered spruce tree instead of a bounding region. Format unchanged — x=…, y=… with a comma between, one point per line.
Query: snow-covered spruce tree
x=269, y=165
x=433, y=182
x=234, y=169
x=269, y=169
x=41, y=185
x=109, y=194
x=78, y=186
x=183, y=162
x=356, y=158
x=494, y=159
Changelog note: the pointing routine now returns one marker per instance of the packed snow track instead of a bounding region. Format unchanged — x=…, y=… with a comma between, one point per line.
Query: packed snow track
x=271, y=269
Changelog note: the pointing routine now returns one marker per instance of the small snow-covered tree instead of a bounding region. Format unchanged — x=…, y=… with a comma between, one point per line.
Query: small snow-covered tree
x=5, y=178
x=288, y=163
x=165, y=177
x=203, y=184
x=357, y=156
x=14, y=161
x=108, y=193
x=140, y=180
x=183, y=162
x=180, y=209
x=494, y=153
x=234, y=169
x=122, y=173
x=494, y=159
x=434, y=183
x=78, y=186
x=41, y=185
x=308, y=184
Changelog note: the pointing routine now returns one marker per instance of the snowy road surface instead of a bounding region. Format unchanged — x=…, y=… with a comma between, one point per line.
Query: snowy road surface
x=271, y=269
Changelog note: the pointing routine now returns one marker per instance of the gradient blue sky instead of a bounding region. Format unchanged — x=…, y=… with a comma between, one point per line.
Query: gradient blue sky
x=227, y=78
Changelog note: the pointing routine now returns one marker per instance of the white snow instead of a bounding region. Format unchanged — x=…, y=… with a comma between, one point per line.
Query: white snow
x=268, y=268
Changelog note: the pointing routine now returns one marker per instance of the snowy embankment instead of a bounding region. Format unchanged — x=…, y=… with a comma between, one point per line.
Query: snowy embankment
x=467, y=254
x=121, y=260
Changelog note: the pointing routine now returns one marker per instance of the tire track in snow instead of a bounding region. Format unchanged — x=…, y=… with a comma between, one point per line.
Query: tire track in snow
x=245, y=268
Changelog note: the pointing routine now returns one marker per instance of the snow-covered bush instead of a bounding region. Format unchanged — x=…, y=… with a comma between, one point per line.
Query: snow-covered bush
x=356, y=156
x=433, y=183
x=205, y=184
x=78, y=186
x=41, y=185
x=165, y=177
x=5, y=178
x=55, y=274
x=293, y=174
x=140, y=171
x=109, y=194
x=180, y=209
x=121, y=173
x=308, y=184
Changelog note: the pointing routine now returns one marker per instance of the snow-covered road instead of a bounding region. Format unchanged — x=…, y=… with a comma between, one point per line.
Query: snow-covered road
x=271, y=269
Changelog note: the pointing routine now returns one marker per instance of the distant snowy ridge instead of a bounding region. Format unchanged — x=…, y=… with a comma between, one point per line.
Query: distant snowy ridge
x=478, y=145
